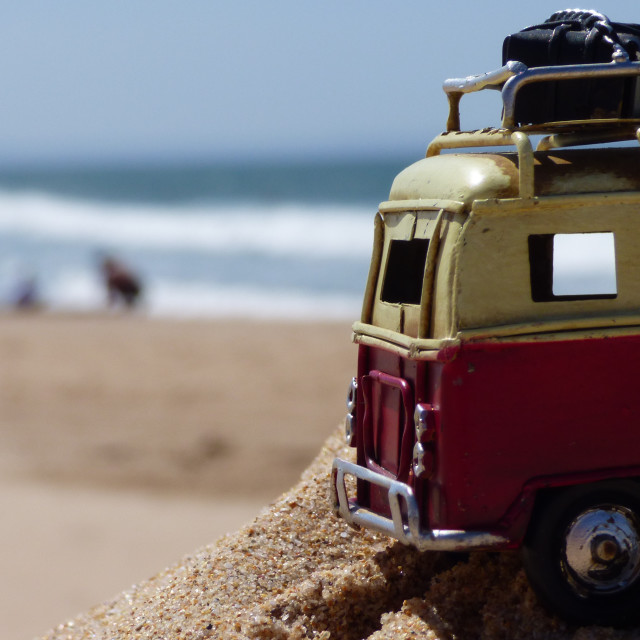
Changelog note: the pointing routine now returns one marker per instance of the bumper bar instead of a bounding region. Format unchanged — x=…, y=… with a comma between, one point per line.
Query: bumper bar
x=408, y=532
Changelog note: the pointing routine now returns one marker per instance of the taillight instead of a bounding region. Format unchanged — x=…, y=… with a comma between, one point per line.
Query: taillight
x=350, y=422
x=424, y=419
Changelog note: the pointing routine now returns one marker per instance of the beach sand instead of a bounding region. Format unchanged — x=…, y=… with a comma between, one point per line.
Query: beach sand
x=131, y=445
x=128, y=442
x=297, y=572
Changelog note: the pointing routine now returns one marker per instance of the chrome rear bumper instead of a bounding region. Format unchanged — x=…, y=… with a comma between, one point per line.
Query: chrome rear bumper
x=405, y=529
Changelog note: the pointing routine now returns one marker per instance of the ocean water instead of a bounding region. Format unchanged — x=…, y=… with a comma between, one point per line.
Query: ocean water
x=270, y=240
x=263, y=241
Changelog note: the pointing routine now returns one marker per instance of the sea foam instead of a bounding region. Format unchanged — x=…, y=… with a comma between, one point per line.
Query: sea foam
x=281, y=229
x=296, y=260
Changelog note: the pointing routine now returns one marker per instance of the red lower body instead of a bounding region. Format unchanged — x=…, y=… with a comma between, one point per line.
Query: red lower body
x=510, y=418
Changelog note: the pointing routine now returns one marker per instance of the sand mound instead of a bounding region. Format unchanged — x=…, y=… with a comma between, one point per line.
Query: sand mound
x=299, y=572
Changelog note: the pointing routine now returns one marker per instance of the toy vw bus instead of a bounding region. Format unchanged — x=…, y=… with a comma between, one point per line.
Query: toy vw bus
x=497, y=399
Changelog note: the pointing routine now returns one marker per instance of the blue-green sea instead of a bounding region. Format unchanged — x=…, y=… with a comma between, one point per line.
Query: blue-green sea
x=281, y=240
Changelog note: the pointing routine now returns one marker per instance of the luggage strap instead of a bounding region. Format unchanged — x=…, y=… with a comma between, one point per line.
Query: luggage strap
x=598, y=25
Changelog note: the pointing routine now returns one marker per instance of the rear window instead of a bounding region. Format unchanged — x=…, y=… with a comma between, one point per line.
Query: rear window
x=405, y=271
x=572, y=266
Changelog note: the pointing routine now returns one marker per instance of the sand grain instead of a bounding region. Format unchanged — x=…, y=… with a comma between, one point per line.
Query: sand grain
x=299, y=572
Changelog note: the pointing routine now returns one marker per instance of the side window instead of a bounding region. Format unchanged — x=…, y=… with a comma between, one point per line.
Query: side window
x=405, y=271
x=572, y=266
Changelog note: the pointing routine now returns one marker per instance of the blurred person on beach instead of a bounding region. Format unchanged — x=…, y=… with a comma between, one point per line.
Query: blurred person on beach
x=123, y=286
x=25, y=293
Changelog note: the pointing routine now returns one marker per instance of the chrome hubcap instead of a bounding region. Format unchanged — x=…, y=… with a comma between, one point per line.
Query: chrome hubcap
x=602, y=550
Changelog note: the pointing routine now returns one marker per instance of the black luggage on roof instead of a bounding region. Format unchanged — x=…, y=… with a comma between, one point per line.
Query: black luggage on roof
x=568, y=38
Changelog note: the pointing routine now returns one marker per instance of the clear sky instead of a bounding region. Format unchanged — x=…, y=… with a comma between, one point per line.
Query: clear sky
x=160, y=79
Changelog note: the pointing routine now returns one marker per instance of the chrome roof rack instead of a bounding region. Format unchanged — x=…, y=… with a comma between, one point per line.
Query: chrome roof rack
x=514, y=75
x=509, y=80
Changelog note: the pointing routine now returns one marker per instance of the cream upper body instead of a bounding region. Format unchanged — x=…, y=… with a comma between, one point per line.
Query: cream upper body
x=457, y=248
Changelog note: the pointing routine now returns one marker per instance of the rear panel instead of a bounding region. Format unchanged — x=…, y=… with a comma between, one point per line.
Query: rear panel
x=389, y=387
x=509, y=414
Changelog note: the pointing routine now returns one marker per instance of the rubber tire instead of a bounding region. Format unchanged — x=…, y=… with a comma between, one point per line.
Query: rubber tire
x=543, y=550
